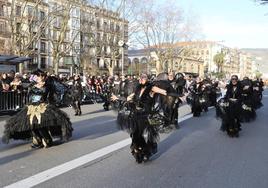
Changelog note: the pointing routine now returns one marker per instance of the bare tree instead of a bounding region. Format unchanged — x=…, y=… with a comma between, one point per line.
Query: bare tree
x=28, y=22
x=107, y=44
x=159, y=30
x=62, y=38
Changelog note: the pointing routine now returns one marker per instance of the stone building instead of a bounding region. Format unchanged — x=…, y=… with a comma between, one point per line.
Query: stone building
x=71, y=33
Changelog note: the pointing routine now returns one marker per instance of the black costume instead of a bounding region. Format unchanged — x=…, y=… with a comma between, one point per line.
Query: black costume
x=196, y=98
x=257, y=94
x=229, y=109
x=178, y=83
x=214, y=93
x=40, y=120
x=248, y=112
x=107, y=93
x=77, y=95
x=135, y=117
x=143, y=116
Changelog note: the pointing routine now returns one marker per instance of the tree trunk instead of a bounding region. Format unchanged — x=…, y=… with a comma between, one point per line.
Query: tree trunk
x=56, y=64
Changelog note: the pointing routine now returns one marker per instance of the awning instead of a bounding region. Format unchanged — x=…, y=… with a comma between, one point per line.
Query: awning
x=13, y=59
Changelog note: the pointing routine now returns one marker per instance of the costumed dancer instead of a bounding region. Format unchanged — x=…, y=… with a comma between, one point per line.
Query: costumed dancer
x=77, y=95
x=178, y=83
x=206, y=90
x=229, y=108
x=39, y=121
x=196, y=93
x=248, y=112
x=139, y=118
x=257, y=94
x=107, y=92
x=215, y=93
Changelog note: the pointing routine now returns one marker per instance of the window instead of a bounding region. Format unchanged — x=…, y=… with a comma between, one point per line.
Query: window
x=98, y=24
x=31, y=27
x=30, y=10
x=105, y=26
x=18, y=27
x=117, y=28
x=112, y=26
x=105, y=38
x=2, y=10
x=43, y=62
x=42, y=16
x=112, y=39
x=18, y=10
x=2, y=27
x=43, y=47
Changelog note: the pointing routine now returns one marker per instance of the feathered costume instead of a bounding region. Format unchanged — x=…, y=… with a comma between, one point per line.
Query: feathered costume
x=248, y=112
x=40, y=120
x=229, y=110
x=77, y=95
x=134, y=116
x=257, y=94
x=142, y=119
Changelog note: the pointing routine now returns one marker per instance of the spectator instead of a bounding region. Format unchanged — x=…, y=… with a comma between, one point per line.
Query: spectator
x=5, y=83
x=25, y=78
x=16, y=84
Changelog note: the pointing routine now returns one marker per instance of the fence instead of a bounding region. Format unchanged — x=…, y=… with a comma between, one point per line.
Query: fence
x=13, y=101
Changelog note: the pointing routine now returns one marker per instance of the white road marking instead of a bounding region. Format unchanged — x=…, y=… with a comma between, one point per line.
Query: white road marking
x=70, y=165
x=185, y=118
x=65, y=167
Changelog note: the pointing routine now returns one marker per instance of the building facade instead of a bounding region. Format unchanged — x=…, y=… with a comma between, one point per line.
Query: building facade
x=235, y=62
x=4, y=30
x=146, y=61
x=68, y=34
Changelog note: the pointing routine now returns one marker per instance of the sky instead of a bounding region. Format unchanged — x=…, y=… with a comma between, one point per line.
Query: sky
x=238, y=23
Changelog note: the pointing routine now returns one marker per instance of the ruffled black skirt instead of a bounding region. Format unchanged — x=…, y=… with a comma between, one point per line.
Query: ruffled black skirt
x=20, y=126
x=248, y=113
x=139, y=122
x=230, y=113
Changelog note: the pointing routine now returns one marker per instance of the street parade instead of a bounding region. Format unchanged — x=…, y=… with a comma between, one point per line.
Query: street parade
x=133, y=94
x=146, y=105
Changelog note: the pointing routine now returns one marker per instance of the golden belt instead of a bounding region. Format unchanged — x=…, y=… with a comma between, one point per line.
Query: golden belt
x=36, y=111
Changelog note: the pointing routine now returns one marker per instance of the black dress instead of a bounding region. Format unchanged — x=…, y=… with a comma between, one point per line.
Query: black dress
x=196, y=98
x=229, y=109
x=77, y=95
x=257, y=94
x=137, y=118
x=39, y=120
x=248, y=112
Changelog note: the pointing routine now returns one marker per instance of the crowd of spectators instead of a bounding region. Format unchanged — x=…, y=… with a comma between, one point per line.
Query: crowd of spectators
x=12, y=81
x=17, y=82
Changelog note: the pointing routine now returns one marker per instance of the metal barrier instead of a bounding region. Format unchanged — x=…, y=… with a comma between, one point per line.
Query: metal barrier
x=13, y=101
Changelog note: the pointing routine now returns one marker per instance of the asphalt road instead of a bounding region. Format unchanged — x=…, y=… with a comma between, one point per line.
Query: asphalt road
x=196, y=156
